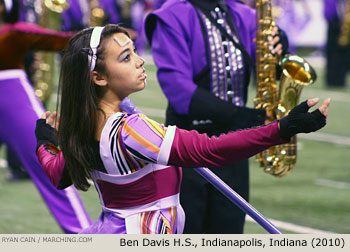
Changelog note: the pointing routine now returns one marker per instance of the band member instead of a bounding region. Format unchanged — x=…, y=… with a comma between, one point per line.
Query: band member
x=338, y=53
x=27, y=14
x=20, y=109
x=133, y=160
x=204, y=60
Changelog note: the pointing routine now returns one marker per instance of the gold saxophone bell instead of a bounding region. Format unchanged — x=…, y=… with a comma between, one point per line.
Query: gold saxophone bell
x=278, y=100
x=296, y=74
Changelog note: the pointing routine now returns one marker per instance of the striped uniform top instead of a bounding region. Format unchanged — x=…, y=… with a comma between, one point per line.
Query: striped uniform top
x=137, y=185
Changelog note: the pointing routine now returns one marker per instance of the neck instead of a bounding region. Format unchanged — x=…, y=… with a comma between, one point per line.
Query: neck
x=109, y=103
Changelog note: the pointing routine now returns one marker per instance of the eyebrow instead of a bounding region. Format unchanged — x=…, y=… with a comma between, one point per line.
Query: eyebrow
x=124, y=51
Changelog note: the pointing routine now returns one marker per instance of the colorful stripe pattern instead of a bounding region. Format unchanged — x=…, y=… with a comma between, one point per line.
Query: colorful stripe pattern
x=135, y=187
x=135, y=140
x=158, y=222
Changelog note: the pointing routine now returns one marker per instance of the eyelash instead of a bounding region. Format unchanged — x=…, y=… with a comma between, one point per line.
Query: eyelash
x=127, y=57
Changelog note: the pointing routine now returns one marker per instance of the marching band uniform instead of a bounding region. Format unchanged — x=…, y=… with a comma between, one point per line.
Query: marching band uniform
x=338, y=57
x=20, y=108
x=204, y=74
x=138, y=179
x=27, y=14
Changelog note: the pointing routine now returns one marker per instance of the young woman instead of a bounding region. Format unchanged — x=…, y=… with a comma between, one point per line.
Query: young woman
x=20, y=108
x=133, y=161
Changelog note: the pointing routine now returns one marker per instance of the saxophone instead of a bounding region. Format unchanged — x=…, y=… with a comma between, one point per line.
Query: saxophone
x=344, y=35
x=49, y=17
x=277, y=101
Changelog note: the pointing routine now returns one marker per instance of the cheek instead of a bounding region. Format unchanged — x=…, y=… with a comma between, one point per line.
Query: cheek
x=123, y=79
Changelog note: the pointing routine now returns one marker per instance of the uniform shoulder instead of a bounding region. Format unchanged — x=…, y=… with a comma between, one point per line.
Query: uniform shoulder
x=174, y=13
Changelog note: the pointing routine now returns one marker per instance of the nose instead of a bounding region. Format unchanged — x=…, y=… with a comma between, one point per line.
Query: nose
x=140, y=62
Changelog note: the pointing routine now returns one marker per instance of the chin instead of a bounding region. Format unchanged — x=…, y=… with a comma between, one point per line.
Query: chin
x=143, y=85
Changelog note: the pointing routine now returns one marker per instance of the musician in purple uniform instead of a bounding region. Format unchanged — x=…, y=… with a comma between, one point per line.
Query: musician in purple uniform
x=20, y=108
x=26, y=14
x=204, y=52
x=338, y=55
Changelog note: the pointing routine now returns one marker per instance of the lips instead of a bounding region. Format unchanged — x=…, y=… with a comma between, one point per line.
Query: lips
x=143, y=75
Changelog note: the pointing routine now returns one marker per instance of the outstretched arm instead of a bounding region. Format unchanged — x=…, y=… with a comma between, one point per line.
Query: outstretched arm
x=148, y=141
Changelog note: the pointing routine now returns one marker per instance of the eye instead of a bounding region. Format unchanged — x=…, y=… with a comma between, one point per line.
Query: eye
x=126, y=58
x=135, y=50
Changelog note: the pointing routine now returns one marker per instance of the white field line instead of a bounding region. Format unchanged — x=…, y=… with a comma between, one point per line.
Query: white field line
x=292, y=227
x=332, y=183
x=326, y=137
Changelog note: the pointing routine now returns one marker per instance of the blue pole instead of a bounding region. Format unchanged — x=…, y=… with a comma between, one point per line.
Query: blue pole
x=238, y=200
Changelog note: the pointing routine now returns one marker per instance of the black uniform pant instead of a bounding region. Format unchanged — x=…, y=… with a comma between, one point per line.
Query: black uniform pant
x=207, y=210
x=338, y=58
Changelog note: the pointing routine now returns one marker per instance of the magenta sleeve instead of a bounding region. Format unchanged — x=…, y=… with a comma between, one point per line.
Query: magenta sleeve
x=191, y=149
x=53, y=165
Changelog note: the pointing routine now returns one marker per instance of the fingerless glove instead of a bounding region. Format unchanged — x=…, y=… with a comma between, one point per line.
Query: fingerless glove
x=44, y=133
x=299, y=120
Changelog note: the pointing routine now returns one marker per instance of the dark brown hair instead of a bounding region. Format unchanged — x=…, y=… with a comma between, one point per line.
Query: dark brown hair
x=78, y=106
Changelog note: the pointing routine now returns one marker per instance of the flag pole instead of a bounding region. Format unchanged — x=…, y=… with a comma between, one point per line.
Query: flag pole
x=237, y=200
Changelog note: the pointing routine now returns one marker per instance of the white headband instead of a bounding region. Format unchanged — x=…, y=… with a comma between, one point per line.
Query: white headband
x=94, y=43
x=8, y=5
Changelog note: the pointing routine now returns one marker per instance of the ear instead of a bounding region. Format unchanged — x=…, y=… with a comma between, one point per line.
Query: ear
x=99, y=79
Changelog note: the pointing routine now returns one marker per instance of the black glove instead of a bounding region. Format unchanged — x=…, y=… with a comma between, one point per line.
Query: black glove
x=44, y=133
x=205, y=105
x=299, y=120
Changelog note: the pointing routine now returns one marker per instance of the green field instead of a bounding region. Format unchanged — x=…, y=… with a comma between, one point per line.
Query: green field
x=299, y=198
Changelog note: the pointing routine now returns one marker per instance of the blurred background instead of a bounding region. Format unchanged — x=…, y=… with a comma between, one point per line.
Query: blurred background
x=314, y=198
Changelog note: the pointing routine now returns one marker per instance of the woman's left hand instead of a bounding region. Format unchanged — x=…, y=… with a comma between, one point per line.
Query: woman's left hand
x=53, y=120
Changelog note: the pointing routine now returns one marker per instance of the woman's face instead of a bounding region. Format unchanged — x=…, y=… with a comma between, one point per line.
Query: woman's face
x=125, y=73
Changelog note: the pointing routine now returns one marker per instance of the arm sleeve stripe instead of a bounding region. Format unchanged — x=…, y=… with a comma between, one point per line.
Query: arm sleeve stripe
x=139, y=156
x=132, y=133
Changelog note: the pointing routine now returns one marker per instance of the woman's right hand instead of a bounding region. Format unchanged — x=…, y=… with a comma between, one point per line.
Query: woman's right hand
x=299, y=120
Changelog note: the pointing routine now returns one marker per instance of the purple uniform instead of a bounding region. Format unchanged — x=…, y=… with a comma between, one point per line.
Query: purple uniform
x=204, y=74
x=181, y=40
x=331, y=9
